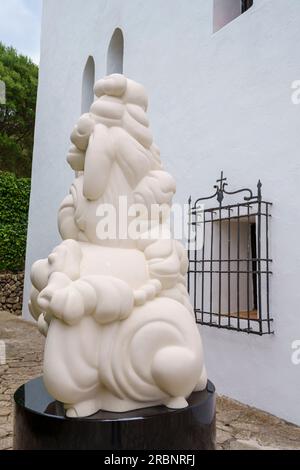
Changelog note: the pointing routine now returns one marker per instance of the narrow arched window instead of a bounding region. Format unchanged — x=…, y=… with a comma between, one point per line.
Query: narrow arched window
x=227, y=10
x=88, y=82
x=115, y=53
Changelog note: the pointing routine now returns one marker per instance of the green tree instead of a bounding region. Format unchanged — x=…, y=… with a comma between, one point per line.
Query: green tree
x=17, y=115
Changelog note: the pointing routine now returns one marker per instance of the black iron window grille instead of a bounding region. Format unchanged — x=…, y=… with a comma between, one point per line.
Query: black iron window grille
x=229, y=270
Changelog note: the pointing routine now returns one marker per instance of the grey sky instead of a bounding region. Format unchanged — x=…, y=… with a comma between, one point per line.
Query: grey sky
x=20, y=26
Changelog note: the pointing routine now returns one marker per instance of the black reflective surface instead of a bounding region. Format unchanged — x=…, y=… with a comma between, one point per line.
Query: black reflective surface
x=40, y=424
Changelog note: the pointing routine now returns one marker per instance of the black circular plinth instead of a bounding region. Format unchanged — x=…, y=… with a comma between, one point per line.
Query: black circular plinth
x=40, y=424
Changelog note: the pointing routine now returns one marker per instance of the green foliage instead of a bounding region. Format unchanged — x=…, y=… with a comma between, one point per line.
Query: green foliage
x=14, y=206
x=17, y=116
x=12, y=247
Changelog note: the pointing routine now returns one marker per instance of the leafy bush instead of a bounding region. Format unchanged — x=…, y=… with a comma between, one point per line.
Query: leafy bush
x=14, y=206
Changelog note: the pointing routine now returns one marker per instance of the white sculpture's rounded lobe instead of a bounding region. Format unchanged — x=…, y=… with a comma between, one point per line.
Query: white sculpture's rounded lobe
x=119, y=326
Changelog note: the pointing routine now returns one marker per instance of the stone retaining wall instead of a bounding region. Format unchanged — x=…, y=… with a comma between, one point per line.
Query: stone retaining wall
x=11, y=292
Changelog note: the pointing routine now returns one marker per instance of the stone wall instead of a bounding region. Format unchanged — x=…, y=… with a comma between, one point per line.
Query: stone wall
x=11, y=292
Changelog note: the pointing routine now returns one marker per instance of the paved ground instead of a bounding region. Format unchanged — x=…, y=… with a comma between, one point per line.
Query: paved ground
x=24, y=347
x=238, y=426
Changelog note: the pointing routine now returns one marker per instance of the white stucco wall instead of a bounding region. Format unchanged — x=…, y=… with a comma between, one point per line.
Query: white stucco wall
x=217, y=101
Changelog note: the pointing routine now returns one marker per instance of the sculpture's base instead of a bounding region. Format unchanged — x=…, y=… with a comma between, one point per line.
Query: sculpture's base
x=40, y=424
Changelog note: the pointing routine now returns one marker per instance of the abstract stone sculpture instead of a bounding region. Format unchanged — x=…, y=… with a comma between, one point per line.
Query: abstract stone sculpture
x=120, y=329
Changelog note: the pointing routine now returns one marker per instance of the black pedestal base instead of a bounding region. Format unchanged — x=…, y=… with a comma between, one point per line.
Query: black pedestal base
x=40, y=424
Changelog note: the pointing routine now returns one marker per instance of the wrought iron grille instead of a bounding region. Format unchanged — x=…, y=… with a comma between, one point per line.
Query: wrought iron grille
x=229, y=270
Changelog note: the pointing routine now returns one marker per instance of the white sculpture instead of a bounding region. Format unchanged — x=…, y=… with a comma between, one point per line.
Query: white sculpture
x=120, y=329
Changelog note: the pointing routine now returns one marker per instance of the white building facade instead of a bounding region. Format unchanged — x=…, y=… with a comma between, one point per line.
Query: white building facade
x=223, y=80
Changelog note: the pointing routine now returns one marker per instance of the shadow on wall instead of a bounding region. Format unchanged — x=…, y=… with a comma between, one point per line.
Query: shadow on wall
x=88, y=82
x=227, y=10
x=115, y=53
